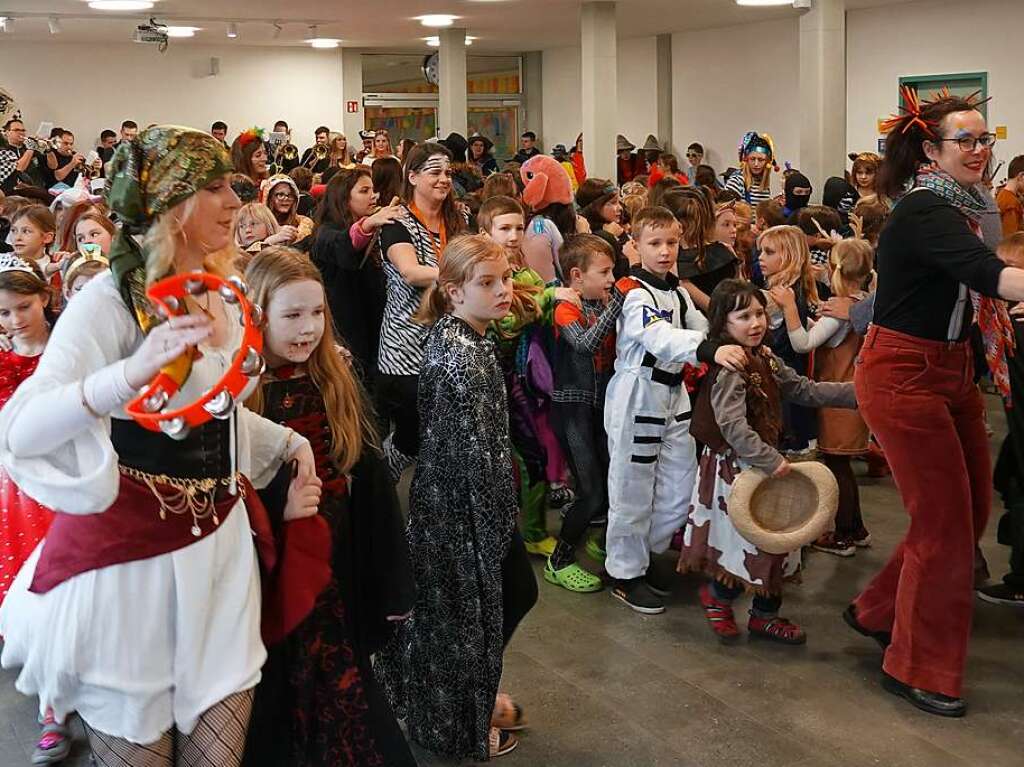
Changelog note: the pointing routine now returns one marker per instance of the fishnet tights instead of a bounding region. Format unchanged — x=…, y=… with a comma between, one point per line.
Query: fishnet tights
x=217, y=740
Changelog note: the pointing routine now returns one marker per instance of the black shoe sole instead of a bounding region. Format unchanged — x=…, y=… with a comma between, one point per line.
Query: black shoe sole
x=997, y=601
x=900, y=690
x=883, y=638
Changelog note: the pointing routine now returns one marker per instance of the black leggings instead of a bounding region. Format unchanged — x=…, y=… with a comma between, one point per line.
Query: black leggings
x=768, y=605
x=518, y=586
x=396, y=403
x=849, y=523
x=580, y=431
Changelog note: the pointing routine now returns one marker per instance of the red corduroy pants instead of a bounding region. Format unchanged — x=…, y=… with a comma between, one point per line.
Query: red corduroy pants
x=920, y=400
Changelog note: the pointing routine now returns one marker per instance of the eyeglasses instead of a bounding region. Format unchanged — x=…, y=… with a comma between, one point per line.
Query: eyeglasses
x=691, y=155
x=970, y=143
x=283, y=196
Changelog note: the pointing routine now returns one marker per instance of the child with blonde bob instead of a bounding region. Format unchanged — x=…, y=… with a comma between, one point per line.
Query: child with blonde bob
x=842, y=433
x=473, y=575
x=785, y=261
x=318, y=695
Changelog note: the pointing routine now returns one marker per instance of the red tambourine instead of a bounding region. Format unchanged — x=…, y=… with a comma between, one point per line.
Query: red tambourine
x=149, y=409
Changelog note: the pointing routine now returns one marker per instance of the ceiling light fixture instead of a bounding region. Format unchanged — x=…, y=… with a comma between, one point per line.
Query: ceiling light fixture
x=435, y=41
x=764, y=2
x=182, y=31
x=232, y=30
x=6, y=23
x=121, y=5
x=437, y=20
x=322, y=42
x=277, y=30
x=54, y=24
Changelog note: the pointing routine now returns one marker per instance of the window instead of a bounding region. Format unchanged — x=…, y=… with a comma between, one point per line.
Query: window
x=959, y=84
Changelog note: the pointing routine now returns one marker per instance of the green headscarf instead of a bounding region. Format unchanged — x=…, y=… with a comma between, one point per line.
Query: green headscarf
x=163, y=166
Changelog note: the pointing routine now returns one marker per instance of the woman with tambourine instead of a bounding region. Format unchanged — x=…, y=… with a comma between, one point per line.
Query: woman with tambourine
x=141, y=609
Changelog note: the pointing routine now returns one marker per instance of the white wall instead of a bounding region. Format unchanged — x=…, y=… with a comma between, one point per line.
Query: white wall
x=879, y=51
x=728, y=81
x=637, y=66
x=256, y=86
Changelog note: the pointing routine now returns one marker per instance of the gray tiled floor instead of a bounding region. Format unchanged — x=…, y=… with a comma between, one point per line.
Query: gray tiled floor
x=605, y=686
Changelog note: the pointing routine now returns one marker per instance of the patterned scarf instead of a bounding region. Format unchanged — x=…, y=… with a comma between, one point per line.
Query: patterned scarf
x=991, y=313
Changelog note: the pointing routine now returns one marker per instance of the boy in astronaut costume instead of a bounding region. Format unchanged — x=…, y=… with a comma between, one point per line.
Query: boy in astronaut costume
x=653, y=460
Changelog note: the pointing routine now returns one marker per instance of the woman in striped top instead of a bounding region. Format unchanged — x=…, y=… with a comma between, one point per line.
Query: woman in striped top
x=757, y=157
x=412, y=246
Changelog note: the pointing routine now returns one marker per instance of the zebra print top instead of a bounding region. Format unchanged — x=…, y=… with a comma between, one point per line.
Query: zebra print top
x=401, y=339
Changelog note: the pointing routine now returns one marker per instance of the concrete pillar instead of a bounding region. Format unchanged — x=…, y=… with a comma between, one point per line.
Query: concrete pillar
x=352, y=91
x=533, y=96
x=664, y=94
x=823, y=92
x=451, y=113
x=599, y=98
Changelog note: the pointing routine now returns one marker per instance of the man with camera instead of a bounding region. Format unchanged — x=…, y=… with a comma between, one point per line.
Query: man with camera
x=64, y=164
x=18, y=162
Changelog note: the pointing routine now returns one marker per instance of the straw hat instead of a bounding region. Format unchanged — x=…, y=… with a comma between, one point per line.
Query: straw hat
x=781, y=515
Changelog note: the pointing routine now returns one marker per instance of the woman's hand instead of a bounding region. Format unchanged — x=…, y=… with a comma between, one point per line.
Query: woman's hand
x=836, y=308
x=303, y=496
x=784, y=468
x=731, y=357
x=614, y=228
x=164, y=344
x=570, y=295
x=286, y=236
x=383, y=216
x=783, y=295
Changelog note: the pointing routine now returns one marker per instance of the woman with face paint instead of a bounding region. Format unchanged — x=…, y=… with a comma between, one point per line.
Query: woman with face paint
x=757, y=158
x=411, y=248
x=916, y=392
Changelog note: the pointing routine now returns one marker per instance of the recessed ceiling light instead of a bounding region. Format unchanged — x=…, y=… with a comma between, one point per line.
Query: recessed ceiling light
x=437, y=20
x=182, y=31
x=764, y=2
x=121, y=5
x=232, y=30
x=325, y=42
x=6, y=24
x=54, y=24
x=435, y=41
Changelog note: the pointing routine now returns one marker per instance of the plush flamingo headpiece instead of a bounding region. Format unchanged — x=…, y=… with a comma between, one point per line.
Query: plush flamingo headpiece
x=546, y=182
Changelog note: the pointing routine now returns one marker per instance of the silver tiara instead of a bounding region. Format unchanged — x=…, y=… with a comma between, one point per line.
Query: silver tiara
x=11, y=263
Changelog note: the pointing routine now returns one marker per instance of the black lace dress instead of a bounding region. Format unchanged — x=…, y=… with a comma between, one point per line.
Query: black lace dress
x=319, y=704
x=443, y=670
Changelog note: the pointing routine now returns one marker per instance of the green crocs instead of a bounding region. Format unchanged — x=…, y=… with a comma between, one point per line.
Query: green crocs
x=594, y=550
x=573, y=577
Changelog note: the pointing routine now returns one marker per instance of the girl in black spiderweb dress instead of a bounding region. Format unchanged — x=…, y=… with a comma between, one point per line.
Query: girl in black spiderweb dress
x=318, y=704
x=473, y=576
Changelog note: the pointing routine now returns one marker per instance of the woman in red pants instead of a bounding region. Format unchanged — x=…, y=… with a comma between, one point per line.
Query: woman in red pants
x=915, y=389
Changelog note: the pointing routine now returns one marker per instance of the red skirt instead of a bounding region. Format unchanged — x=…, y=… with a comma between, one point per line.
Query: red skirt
x=23, y=524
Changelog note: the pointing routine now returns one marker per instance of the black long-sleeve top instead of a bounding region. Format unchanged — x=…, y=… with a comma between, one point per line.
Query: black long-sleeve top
x=928, y=257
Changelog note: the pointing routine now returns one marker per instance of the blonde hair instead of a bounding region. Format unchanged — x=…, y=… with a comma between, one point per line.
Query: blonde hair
x=852, y=262
x=349, y=414
x=259, y=212
x=634, y=203
x=167, y=233
x=791, y=244
x=458, y=263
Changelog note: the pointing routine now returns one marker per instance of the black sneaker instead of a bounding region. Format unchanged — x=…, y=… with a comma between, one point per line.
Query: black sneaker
x=638, y=595
x=1001, y=594
x=932, y=702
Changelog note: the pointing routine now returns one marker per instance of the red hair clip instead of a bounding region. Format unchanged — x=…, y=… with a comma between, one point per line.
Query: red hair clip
x=910, y=108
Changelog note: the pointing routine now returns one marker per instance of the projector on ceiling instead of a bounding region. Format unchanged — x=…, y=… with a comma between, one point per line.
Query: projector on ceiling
x=152, y=33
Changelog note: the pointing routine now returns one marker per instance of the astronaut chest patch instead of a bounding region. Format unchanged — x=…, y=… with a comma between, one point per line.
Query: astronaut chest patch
x=652, y=314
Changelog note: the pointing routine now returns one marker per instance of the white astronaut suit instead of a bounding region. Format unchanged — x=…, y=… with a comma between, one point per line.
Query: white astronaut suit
x=653, y=461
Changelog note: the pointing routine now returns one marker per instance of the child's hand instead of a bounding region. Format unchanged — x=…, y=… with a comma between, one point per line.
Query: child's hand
x=58, y=260
x=784, y=468
x=303, y=497
x=631, y=253
x=582, y=225
x=731, y=357
x=570, y=295
x=614, y=228
x=6, y=344
x=783, y=295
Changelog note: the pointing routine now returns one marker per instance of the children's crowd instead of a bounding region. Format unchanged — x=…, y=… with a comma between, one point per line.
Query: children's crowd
x=618, y=352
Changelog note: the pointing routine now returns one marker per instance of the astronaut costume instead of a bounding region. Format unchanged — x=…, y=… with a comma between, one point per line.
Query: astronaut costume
x=653, y=460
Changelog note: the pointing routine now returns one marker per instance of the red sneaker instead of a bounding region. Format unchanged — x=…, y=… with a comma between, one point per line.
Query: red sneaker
x=776, y=630
x=720, y=616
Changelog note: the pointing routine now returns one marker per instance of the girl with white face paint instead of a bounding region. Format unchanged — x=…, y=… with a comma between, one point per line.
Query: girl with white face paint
x=411, y=248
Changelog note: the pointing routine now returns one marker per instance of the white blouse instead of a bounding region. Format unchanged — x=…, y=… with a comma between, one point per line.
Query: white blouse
x=138, y=647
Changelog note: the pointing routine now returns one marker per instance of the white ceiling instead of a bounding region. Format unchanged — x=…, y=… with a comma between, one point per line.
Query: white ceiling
x=499, y=25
